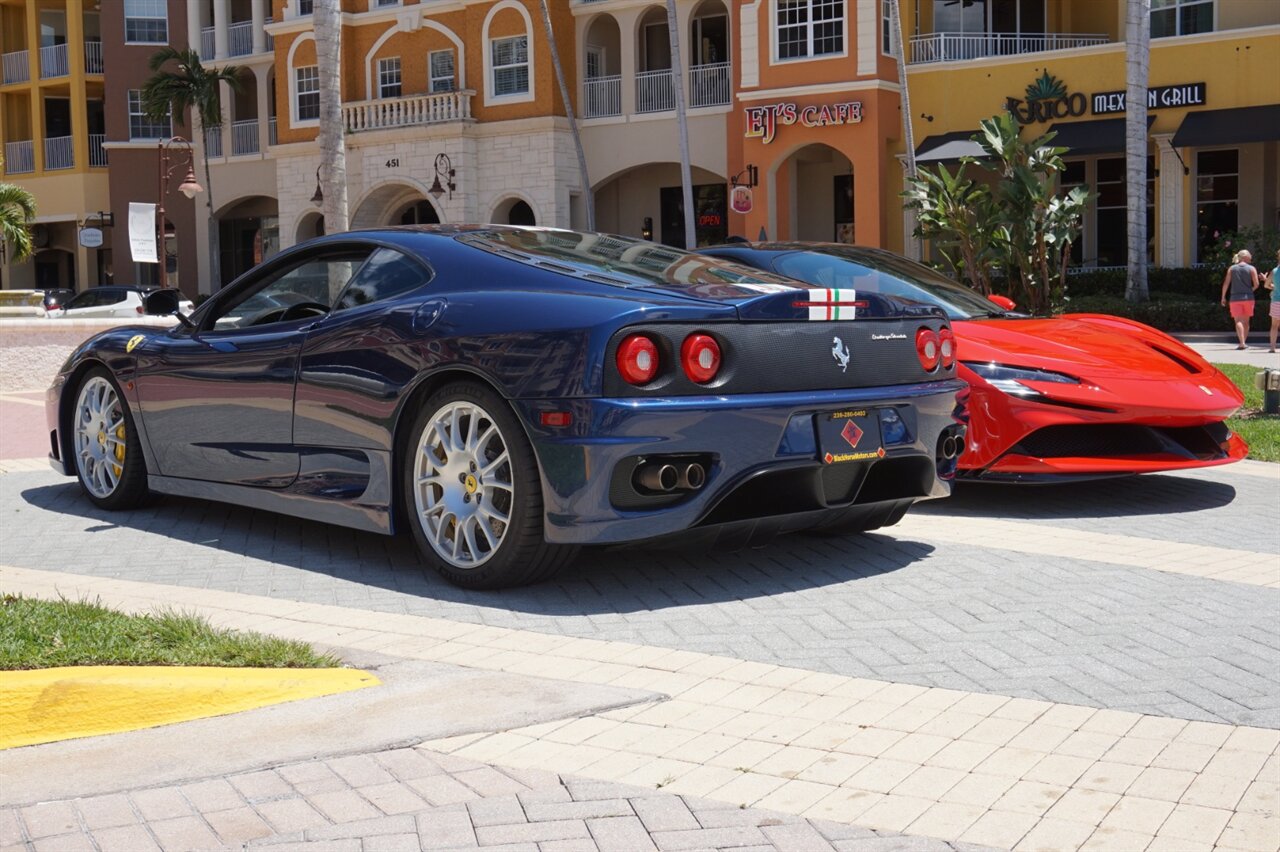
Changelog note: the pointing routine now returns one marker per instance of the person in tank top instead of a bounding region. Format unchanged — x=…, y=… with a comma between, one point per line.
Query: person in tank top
x=1238, y=287
x=1269, y=282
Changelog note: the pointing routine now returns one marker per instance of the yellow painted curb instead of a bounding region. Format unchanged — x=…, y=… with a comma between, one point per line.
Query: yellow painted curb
x=47, y=705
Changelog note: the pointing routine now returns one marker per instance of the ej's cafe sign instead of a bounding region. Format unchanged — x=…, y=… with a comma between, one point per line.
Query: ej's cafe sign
x=763, y=121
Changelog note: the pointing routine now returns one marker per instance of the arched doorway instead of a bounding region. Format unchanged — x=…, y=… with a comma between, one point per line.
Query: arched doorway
x=514, y=211
x=387, y=204
x=648, y=202
x=310, y=226
x=420, y=212
x=814, y=192
x=709, y=78
x=602, y=68
x=248, y=233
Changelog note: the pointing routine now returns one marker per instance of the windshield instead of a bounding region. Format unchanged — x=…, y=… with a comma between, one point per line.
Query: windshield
x=882, y=272
x=627, y=262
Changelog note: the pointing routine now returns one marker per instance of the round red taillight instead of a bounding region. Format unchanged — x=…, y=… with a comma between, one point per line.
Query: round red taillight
x=947, y=348
x=700, y=356
x=637, y=359
x=927, y=348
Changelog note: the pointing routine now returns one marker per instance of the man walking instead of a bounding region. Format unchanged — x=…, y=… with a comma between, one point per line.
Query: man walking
x=1238, y=287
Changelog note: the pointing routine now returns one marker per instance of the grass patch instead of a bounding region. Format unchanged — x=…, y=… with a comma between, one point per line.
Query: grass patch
x=39, y=634
x=1260, y=431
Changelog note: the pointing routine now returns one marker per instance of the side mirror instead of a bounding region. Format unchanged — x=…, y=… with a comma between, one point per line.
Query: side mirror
x=161, y=303
x=1003, y=301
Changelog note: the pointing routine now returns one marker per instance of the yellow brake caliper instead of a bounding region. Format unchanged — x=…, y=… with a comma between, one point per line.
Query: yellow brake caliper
x=120, y=450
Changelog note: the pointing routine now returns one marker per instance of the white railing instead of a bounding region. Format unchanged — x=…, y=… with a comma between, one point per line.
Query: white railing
x=654, y=91
x=19, y=157
x=213, y=141
x=602, y=96
x=97, y=153
x=207, y=44
x=950, y=47
x=53, y=61
x=244, y=137
x=271, y=132
x=93, y=57
x=59, y=153
x=404, y=112
x=709, y=85
x=17, y=67
x=240, y=38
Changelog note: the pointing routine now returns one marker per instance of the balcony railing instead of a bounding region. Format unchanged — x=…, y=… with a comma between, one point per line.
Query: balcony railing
x=97, y=153
x=19, y=157
x=53, y=61
x=709, y=85
x=244, y=137
x=383, y=113
x=59, y=153
x=213, y=141
x=272, y=137
x=93, y=57
x=602, y=96
x=951, y=47
x=654, y=91
x=240, y=38
x=207, y=48
x=17, y=67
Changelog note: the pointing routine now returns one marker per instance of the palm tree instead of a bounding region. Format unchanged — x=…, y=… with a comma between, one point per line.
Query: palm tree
x=908, y=134
x=682, y=125
x=17, y=209
x=327, y=20
x=191, y=86
x=1137, y=70
x=588, y=194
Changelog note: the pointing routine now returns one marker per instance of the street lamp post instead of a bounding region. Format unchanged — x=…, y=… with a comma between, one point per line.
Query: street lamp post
x=188, y=187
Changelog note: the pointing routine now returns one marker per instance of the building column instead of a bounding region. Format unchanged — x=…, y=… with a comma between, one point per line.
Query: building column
x=259, y=23
x=33, y=71
x=79, y=95
x=260, y=79
x=221, y=23
x=1172, y=204
x=627, y=58
x=194, y=41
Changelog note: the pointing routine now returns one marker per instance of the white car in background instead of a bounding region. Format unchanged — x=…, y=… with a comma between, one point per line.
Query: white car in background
x=110, y=303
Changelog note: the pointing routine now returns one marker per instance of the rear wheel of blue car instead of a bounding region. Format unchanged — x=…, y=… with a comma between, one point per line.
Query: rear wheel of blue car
x=473, y=493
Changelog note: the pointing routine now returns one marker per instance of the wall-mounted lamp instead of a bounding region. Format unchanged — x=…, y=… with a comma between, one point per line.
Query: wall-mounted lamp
x=318, y=198
x=444, y=169
x=646, y=230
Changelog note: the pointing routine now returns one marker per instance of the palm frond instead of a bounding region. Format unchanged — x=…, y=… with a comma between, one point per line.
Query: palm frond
x=17, y=209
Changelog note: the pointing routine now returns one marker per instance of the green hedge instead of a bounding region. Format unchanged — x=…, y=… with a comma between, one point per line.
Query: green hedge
x=1168, y=311
x=1204, y=282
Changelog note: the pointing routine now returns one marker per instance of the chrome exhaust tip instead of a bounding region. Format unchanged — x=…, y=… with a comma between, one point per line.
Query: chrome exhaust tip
x=693, y=477
x=657, y=477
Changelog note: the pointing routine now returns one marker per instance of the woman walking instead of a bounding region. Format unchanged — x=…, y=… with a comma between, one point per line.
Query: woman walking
x=1269, y=281
x=1238, y=287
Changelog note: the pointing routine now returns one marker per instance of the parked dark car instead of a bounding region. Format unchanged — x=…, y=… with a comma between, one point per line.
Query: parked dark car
x=57, y=297
x=510, y=394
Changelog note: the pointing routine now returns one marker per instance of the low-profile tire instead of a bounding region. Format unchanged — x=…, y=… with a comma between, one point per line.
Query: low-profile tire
x=855, y=521
x=472, y=492
x=106, y=451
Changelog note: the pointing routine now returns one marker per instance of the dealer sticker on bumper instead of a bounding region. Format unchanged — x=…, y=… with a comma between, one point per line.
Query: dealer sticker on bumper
x=850, y=436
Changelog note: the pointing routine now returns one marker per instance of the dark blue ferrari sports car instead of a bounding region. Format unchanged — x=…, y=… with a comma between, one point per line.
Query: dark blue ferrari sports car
x=509, y=394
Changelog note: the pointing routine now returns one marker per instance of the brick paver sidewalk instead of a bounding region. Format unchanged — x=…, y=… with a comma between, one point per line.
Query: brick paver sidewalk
x=410, y=799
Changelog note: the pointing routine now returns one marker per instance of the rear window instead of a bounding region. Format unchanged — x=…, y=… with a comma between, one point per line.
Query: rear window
x=626, y=262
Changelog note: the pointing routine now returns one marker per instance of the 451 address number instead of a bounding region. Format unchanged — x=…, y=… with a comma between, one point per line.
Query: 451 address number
x=393, y=163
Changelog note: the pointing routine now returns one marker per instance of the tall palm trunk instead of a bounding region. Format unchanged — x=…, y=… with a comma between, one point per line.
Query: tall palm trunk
x=333, y=148
x=682, y=124
x=904, y=96
x=215, y=235
x=1137, y=69
x=588, y=194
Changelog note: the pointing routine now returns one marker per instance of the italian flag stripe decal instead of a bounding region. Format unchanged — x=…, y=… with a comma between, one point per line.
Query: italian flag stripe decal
x=832, y=304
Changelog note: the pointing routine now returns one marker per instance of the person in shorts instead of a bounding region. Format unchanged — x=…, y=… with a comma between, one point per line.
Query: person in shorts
x=1269, y=282
x=1237, y=289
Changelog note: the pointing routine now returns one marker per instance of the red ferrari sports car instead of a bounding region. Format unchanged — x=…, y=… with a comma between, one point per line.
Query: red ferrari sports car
x=1075, y=396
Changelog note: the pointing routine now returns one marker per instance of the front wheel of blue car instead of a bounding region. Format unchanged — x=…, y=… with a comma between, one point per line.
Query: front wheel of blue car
x=474, y=494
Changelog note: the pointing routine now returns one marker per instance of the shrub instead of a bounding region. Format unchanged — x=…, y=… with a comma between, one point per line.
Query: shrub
x=1167, y=311
x=1200, y=282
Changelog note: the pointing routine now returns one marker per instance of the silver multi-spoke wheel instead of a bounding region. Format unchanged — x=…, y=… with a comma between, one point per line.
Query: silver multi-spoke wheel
x=100, y=437
x=463, y=489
